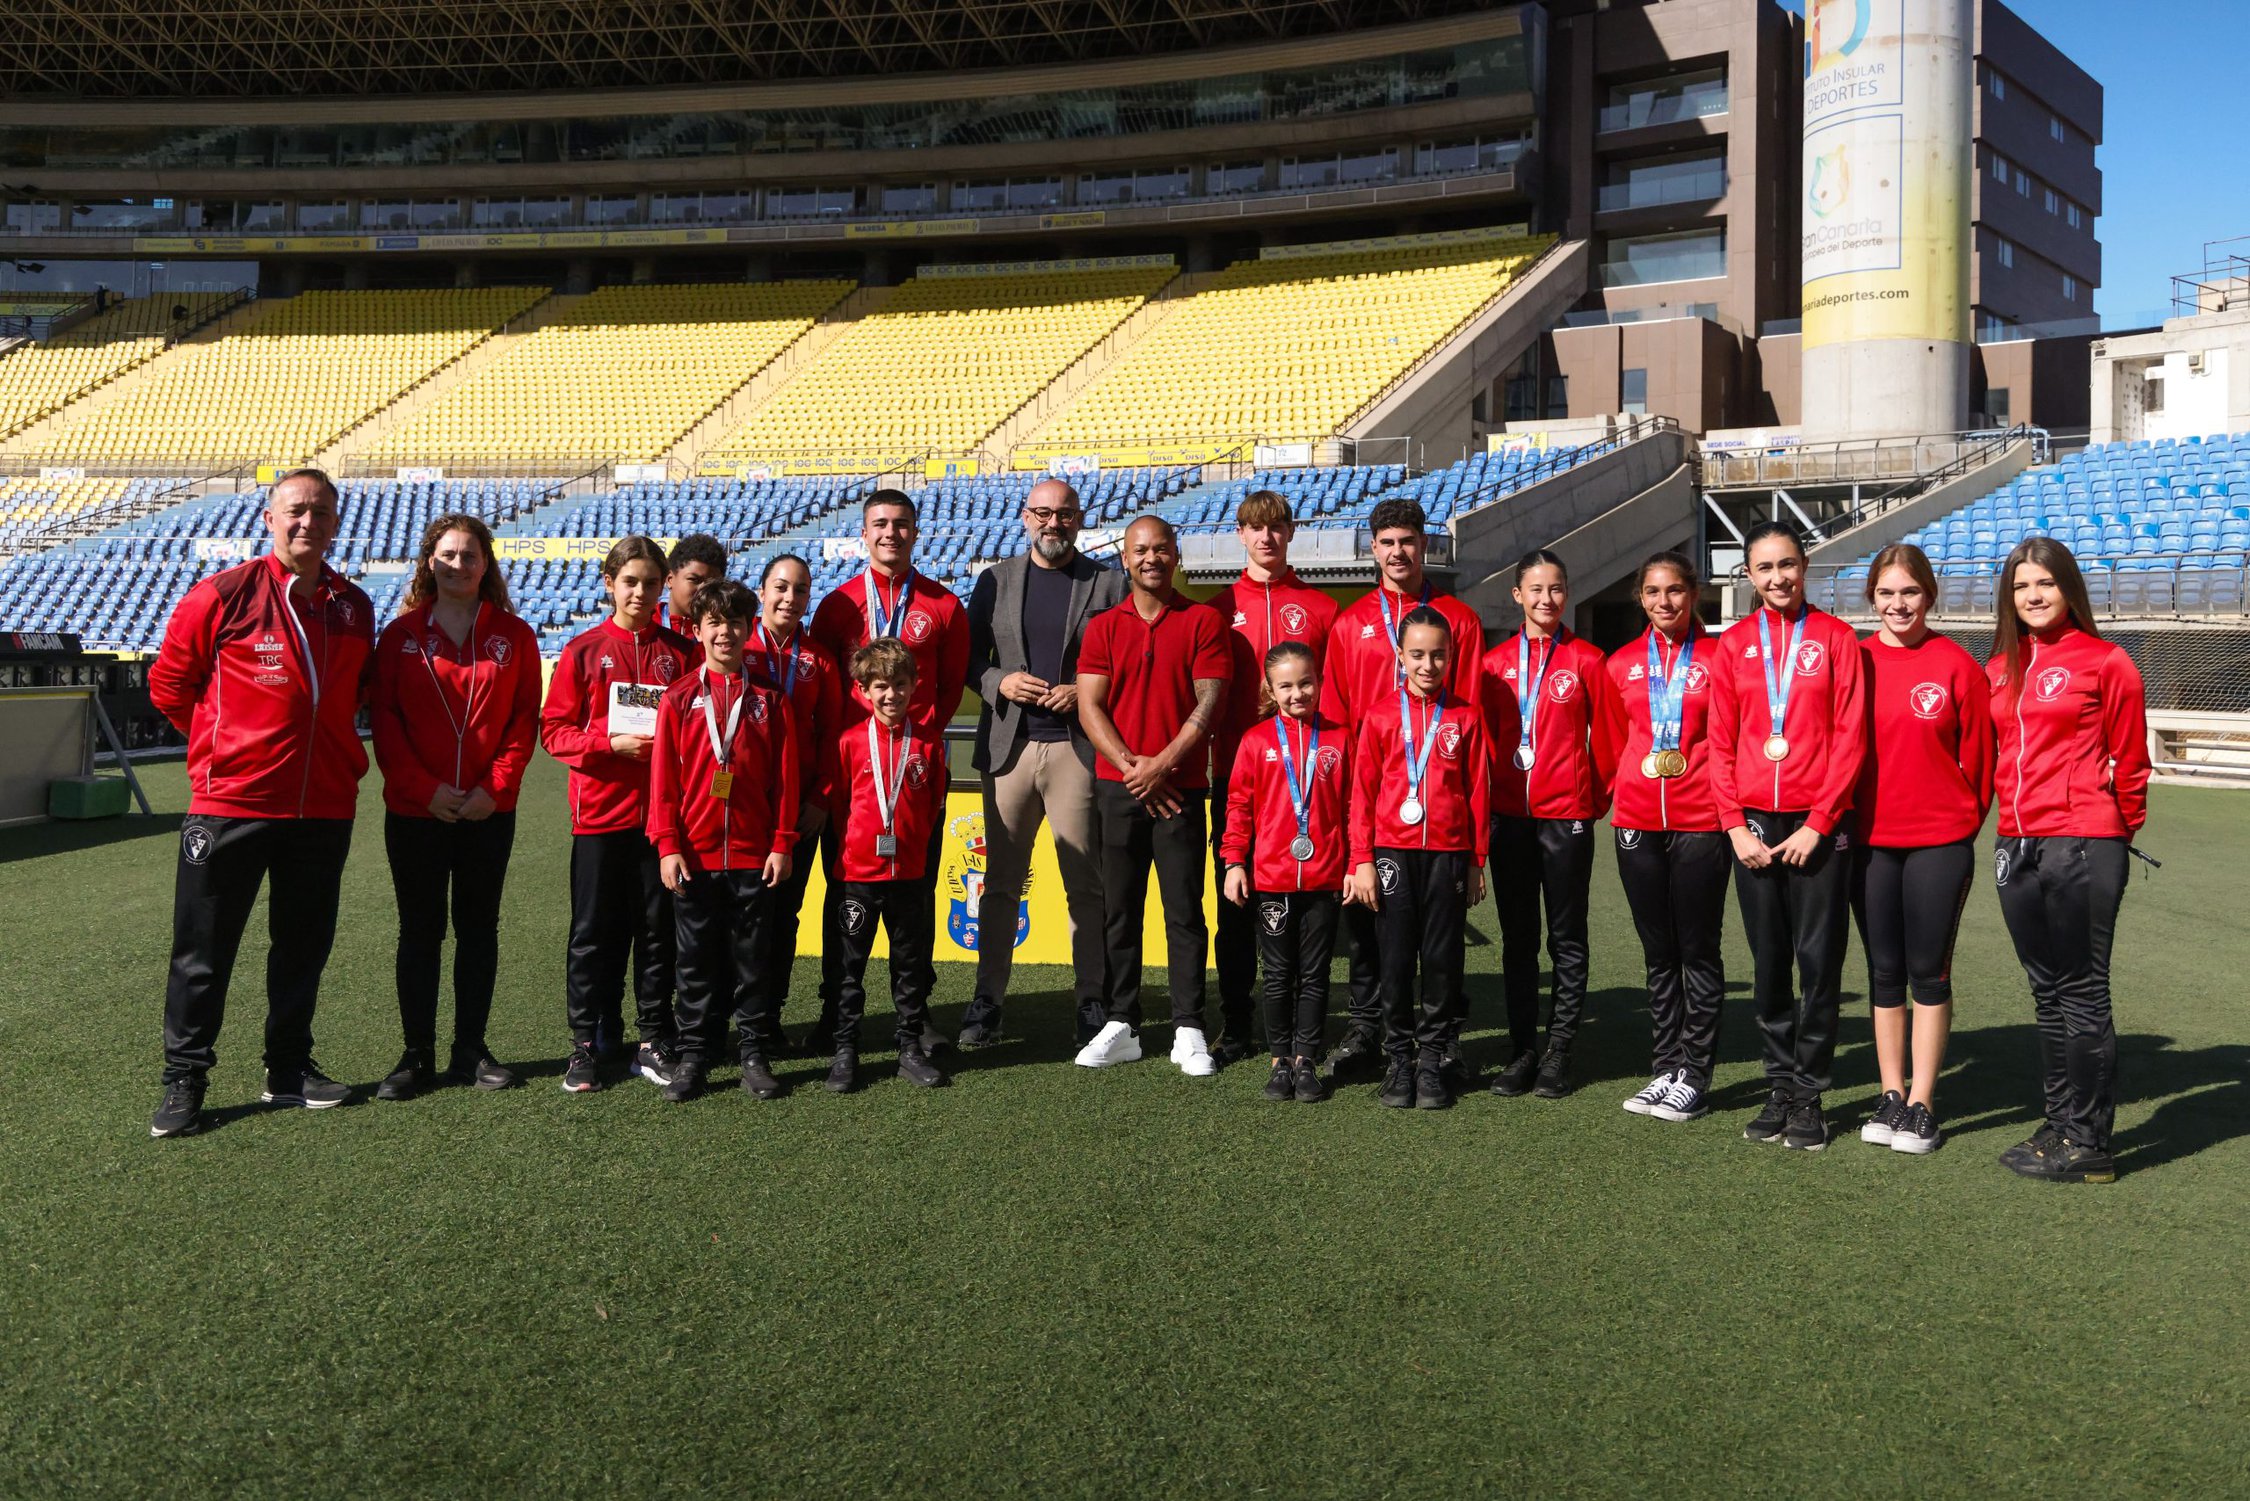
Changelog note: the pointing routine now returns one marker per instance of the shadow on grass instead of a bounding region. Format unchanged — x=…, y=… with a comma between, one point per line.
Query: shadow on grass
x=34, y=841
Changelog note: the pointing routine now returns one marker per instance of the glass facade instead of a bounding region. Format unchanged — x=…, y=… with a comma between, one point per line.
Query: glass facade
x=1661, y=101
x=1632, y=261
x=1672, y=179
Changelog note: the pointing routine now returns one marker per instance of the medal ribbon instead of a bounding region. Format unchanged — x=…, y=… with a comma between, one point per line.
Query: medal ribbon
x=1527, y=704
x=1667, y=697
x=468, y=699
x=1390, y=626
x=1777, y=692
x=1416, y=766
x=788, y=680
x=887, y=782
x=720, y=747
x=1300, y=798
x=881, y=623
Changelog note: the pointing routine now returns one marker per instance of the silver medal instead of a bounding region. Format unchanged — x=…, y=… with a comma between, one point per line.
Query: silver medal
x=1525, y=756
x=1410, y=811
x=1301, y=847
x=886, y=845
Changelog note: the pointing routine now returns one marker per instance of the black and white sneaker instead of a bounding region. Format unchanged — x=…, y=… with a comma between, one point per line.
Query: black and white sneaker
x=1807, y=1130
x=1883, y=1125
x=307, y=1087
x=1644, y=1103
x=180, y=1112
x=583, y=1073
x=1681, y=1100
x=1770, y=1122
x=1916, y=1132
x=656, y=1062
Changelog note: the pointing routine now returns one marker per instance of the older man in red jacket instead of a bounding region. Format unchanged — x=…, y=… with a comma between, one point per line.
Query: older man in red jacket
x=264, y=668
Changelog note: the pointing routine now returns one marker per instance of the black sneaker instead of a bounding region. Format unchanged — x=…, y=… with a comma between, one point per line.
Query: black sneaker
x=1231, y=1049
x=583, y=1073
x=915, y=1067
x=1455, y=1071
x=1807, y=1130
x=685, y=1080
x=180, y=1113
x=1916, y=1132
x=1358, y=1056
x=1516, y=1078
x=408, y=1079
x=2068, y=1162
x=1309, y=1089
x=1281, y=1083
x=306, y=1086
x=1771, y=1121
x=2044, y=1140
x=758, y=1081
x=478, y=1069
x=1431, y=1090
x=656, y=1062
x=843, y=1071
x=1882, y=1126
x=1554, y=1075
x=821, y=1040
x=979, y=1035
x=1398, y=1085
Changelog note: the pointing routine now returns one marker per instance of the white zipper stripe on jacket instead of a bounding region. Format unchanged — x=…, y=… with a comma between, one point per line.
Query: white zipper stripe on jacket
x=2015, y=798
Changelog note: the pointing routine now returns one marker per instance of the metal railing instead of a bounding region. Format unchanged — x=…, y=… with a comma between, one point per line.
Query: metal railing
x=1659, y=192
x=1858, y=460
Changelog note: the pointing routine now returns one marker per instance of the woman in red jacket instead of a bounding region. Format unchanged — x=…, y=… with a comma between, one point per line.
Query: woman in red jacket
x=1284, y=848
x=1652, y=741
x=1788, y=727
x=599, y=721
x=2072, y=725
x=456, y=711
x=1924, y=787
x=1543, y=689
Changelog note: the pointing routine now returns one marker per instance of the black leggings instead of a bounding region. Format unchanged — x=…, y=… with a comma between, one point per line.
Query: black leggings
x=1908, y=902
x=432, y=861
x=1296, y=938
x=2060, y=897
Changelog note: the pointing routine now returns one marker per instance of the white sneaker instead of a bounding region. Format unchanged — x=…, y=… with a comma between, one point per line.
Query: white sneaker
x=1681, y=1101
x=1645, y=1101
x=1192, y=1053
x=1114, y=1043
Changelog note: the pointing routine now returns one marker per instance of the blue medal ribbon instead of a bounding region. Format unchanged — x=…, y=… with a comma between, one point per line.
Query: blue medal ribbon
x=1777, y=689
x=879, y=622
x=1418, y=765
x=788, y=679
x=1390, y=626
x=1667, y=697
x=1527, y=704
x=1300, y=798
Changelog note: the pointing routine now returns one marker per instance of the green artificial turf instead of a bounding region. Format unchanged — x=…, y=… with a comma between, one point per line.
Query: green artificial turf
x=1045, y=1280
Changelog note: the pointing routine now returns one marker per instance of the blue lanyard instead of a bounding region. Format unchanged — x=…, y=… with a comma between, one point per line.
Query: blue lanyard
x=1667, y=697
x=1527, y=704
x=788, y=679
x=1390, y=627
x=1777, y=692
x=879, y=622
x=1416, y=766
x=1300, y=798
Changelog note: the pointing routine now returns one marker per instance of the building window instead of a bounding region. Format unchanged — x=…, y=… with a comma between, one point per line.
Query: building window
x=1234, y=177
x=1482, y=154
x=698, y=208
x=2152, y=392
x=1343, y=168
x=319, y=216
x=2055, y=128
x=908, y=198
x=612, y=210
x=2054, y=201
x=2070, y=287
x=810, y=203
x=1636, y=260
x=1661, y=101
x=1558, y=396
x=1997, y=406
x=1671, y=179
x=1632, y=392
x=2023, y=183
x=2003, y=251
x=1999, y=169
x=1999, y=84
x=2074, y=216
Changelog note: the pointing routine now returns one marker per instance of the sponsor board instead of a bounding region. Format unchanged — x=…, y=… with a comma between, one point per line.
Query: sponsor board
x=513, y=549
x=1036, y=268
x=1397, y=242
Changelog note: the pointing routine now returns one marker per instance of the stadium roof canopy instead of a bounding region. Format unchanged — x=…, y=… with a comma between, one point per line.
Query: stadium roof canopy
x=175, y=49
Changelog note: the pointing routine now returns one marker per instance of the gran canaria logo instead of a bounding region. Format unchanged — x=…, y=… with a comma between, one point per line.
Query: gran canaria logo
x=1831, y=184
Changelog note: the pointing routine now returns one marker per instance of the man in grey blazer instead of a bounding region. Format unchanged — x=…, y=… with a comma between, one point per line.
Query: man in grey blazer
x=1026, y=616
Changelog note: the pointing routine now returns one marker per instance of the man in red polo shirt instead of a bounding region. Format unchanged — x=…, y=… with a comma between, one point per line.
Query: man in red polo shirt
x=264, y=668
x=1362, y=669
x=1152, y=676
x=1268, y=604
x=889, y=598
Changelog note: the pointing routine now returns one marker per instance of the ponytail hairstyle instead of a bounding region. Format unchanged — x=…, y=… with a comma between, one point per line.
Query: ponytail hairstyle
x=1673, y=562
x=1429, y=615
x=1540, y=557
x=1765, y=529
x=422, y=588
x=1911, y=558
x=1278, y=653
x=2008, y=632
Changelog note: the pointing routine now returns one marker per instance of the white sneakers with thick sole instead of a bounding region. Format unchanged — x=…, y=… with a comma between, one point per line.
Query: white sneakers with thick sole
x=1113, y=1044
x=1192, y=1053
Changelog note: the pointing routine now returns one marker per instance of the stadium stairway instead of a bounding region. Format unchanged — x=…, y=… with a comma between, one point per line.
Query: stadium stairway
x=1090, y=366
x=761, y=385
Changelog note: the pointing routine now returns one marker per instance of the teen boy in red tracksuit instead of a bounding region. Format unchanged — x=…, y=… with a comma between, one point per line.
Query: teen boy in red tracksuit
x=722, y=813
x=264, y=668
x=887, y=780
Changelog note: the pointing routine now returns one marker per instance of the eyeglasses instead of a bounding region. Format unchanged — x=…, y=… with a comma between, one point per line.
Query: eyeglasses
x=1048, y=515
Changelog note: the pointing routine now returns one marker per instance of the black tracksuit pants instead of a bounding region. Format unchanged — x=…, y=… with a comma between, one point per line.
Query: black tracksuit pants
x=1908, y=902
x=2060, y=895
x=1424, y=911
x=1296, y=938
x=1236, y=947
x=904, y=911
x=618, y=906
x=1537, y=860
x=1132, y=841
x=437, y=868
x=831, y=962
x=785, y=905
x=1676, y=886
x=1364, y=976
x=721, y=923
x=222, y=863
x=1798, y=921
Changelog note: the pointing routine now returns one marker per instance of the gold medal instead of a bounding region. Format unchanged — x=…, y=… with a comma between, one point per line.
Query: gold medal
x=722, y=785
x=1777, y=747
x=1648, y=766
x=1671, y=763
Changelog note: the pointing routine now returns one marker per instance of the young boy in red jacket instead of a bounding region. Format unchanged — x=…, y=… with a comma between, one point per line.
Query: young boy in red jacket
x=722, y=813
x=887, y=779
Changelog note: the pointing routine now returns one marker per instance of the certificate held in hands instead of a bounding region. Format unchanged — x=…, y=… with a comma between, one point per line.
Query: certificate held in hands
x=632, y=709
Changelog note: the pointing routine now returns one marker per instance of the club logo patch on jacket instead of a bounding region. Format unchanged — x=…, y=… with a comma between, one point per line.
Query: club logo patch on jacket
x=1927, y=700
x=2051, y=682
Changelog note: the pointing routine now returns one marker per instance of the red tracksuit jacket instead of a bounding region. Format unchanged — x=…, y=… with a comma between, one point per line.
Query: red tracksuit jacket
x=1360, y=669
x=816, y=702
x=464, y=716
x=2073, y=745
x=758, y=816
x=1262, y=820
x=608, y=792
x=1622, y=737
x=1826, y=723
x=936, y=630
x=1566, y=780
x=232, y=677
x=1927, y=776
x=1456, y=785
x=1258, y=614
x=920, y=805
